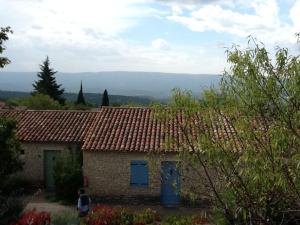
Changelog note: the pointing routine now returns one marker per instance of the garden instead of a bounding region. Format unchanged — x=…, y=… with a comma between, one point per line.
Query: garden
x=105, y=215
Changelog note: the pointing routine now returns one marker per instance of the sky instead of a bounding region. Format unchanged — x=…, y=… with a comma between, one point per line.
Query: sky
x=176, y=36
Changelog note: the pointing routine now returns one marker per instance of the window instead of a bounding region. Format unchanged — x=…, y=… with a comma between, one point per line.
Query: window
x=139, y=173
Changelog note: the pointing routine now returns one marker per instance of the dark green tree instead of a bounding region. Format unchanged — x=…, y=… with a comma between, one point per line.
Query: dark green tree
x=47, y=84
x=4, y=31
x=9, y=149
x=10, y=204
x=9, y=146
x=80, y=97
x=105, y=100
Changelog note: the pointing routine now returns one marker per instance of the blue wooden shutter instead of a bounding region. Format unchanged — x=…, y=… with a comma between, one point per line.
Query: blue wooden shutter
x=139, y=173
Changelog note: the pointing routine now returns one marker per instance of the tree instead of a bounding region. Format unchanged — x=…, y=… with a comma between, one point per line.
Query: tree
x=10, y=149
x=246, y=139
x=80, y=97
x=37, y=102
x=10, y=204
x=4, y=31
x=9, y=146
x=47, y=84
x=105, y=100
x=68, y=177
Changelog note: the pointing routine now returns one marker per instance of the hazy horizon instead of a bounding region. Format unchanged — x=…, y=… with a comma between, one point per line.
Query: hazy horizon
x=152, y=84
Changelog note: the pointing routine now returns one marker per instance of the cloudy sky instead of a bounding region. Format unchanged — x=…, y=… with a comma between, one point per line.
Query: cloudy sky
x=142, y=35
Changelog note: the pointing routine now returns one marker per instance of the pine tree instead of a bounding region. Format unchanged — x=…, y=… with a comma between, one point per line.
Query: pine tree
x=105, y=100
x=47, y=84
x=80, y=97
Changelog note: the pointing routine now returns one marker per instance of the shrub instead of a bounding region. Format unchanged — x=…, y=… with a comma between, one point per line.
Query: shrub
x=125, y=216
x=101, y=215
x=10, y=150
x=11, y=207
x=185, y=220
x=68, y=178
x=65, y=219
x=104, y=215
x=37, y=101
x=148, y=216
x=33, y=218
x=21, y=185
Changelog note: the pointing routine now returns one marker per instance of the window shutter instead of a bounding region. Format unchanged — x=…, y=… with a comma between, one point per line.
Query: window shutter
x=139, y=173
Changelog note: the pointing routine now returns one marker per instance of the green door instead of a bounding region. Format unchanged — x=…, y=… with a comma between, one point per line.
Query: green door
x=50, y=158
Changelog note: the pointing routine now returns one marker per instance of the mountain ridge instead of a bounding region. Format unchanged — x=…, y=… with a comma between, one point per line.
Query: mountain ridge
x=148, y=84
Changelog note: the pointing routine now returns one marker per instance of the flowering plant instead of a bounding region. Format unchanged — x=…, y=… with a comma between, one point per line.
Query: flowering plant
x=33, y=218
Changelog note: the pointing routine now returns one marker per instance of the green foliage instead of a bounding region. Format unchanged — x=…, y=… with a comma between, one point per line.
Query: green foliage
x=105, y=100
x=19, y=184
x=104, y=215
x=11, y=207
x=251, y=168
x=68, y=178
x=37, y=101
x=10, y=150
x=47, y=84
x=10, y=204
x=44, y=102
x=65, y=219
x=91, y=99
x=4, y=31
x=80, y=97
x=148, y=216
x=184, y=220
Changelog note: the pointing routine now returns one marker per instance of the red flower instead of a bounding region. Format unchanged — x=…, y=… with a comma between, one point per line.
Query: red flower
x=33, y=218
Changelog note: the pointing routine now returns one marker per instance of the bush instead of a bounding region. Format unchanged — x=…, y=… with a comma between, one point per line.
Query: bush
x=104, y=215
x=37, y=101
x=65, y=219
x=148, y=216
x=185, y=220
x=68, y=178
x=21, y=185
x=101, y=215
x=11, y=207
x=33, y=218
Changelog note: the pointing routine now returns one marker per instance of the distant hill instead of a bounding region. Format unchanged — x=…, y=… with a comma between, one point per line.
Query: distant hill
x=89, y=97
x=157, y=85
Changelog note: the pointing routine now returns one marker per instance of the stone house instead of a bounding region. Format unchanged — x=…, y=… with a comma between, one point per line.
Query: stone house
x=123, y=149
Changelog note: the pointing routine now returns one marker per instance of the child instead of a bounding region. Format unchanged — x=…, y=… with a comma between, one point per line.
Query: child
x=83, y=204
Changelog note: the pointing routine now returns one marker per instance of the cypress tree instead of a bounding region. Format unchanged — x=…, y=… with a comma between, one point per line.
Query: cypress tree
x=80, y=97
x=47, y=84
x=105, y=100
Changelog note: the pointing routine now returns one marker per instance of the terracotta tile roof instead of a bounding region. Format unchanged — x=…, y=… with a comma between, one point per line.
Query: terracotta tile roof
x=109, y=129
x=129, y=129
x=136, y=130
x=51, y=126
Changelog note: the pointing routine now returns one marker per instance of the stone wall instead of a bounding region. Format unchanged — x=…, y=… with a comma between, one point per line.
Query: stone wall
x=33, y=158
x=108, y=174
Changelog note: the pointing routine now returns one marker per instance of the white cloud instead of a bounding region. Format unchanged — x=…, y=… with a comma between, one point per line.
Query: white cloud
x=80, y=35
x=295, y=15
x=84, y=35
x=160, y=44
x=263, y=23
x=108, y=17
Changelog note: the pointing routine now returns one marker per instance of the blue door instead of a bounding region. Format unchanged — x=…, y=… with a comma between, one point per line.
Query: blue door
x=170, y=183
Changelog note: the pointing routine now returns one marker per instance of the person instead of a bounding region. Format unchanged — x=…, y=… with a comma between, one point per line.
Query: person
x=83, y=203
